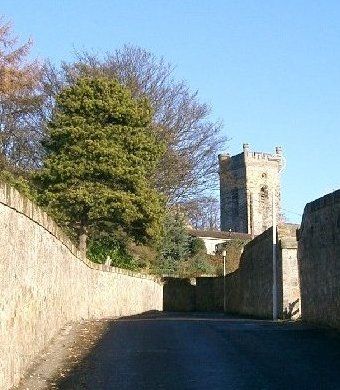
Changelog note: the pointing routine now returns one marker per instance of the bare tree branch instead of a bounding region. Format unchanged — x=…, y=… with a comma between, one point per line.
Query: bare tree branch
x=20, y=101
x=189, y=167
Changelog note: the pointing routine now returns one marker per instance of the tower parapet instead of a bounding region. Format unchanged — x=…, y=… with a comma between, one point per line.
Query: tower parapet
x=262, y=155
x=249, y=182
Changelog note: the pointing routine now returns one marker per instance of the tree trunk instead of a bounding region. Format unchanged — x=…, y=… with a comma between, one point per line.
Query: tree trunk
x=83, y=233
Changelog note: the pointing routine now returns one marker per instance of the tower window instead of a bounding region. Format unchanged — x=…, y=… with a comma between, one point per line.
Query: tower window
x=264, y=193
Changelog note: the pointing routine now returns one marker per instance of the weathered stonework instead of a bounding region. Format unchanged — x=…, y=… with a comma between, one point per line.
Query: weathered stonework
x=249, y=288
x=196, y=294
x=46, y=283
x=319, y=261
x=248, y=182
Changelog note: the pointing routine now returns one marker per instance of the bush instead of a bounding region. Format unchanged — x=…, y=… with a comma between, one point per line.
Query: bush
x=105, y=249
x=20, y=183
x=196, y=246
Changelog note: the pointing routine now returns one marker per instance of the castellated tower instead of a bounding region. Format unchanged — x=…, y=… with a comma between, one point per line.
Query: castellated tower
x=249, y=182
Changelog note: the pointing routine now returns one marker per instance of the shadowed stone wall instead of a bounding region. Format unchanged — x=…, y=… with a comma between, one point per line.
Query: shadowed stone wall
x=196, y=294
x=209, y=294
x=45, y=283
x=179, y=294
x=319, y=260
x=249, y=289
x=233, y=293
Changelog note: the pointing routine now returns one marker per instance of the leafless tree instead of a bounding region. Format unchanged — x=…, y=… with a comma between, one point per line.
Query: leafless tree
x=189, y=167
x=202, y=213
x=20, y=102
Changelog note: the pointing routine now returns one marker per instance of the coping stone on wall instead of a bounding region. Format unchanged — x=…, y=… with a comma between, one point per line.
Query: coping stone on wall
x=11, y=198
x=288, y=243
x=319, y=203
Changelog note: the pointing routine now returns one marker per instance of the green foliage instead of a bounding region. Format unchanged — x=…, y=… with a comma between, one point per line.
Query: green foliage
x=196, y=266
x=197, y=246
x=20, y=183
x=109, y=250
x=183, y=123
x=175, y=245
x=234, y=249
x=101, y=152
x=181, y=254
x=144, y=255
x=198, y=263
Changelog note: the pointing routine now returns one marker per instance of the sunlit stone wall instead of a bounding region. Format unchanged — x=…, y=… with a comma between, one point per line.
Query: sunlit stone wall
x=46, y=283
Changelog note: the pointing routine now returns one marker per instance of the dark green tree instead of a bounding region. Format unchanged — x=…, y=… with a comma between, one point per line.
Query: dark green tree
x=184, y=124
x=100, y=154
x=174, y=244
x=179, y=253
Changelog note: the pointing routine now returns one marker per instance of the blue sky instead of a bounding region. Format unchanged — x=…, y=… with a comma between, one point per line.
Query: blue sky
x=269, y=69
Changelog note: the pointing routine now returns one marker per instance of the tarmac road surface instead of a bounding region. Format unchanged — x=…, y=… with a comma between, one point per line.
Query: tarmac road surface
x=208, y=351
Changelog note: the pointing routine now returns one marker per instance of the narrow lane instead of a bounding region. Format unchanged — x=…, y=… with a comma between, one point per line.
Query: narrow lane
x=175, y=351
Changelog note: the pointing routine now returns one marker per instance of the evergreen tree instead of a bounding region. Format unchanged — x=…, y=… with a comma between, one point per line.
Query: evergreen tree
x=192, y=139
x=101, y=152
x=174, y=246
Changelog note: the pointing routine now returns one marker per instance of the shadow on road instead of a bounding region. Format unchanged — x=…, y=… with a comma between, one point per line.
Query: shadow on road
x=205, y=351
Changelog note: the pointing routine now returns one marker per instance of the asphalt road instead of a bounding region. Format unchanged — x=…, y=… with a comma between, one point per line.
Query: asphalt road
x=176, y=351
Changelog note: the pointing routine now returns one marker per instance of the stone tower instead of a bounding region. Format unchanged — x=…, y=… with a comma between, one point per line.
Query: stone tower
x=249, y=182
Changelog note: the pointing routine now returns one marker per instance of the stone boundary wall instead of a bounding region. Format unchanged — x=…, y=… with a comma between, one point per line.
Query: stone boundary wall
x=209, y=293
x=195, y=294
x=249, y=288
x=46, y=283
x=256, y=279
x=319, y=261
x=179, y=294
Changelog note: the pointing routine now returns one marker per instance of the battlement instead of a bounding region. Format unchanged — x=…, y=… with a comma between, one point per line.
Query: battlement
x=248, y=154
x=223, y=157
x=228, y=162
x=248, y=181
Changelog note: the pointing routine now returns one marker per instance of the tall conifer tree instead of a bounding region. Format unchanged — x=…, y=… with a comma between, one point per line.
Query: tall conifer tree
x=101, y=153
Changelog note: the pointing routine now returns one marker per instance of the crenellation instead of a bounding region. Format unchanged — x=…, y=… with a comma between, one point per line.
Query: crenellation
x=223, y=156
x=278, y=150
x=263, y=156
x=249, y=182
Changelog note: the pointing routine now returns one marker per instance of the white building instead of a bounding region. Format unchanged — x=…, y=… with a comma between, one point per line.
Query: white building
x=212, y=238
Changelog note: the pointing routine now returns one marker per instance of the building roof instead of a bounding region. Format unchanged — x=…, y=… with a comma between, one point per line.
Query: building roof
x=218, y=234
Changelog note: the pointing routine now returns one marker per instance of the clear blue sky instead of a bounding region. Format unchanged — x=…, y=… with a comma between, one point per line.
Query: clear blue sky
x=270, y=69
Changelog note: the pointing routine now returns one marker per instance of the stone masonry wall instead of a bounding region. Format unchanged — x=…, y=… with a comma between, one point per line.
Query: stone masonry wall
x=319, y=260
x=209, y=294
x=288, y=271
x=196, y=294
x=256, y=279
x=179, y=294
x=45, y=283
x=249, y=289
x=233, y=294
